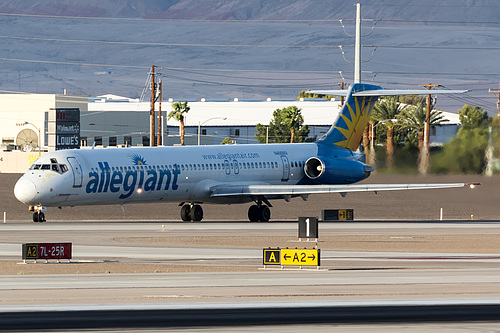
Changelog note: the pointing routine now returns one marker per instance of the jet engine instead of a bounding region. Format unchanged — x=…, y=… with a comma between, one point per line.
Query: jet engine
x=321, y=170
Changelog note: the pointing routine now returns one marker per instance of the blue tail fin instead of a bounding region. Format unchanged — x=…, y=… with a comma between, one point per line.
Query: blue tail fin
x=347, y=130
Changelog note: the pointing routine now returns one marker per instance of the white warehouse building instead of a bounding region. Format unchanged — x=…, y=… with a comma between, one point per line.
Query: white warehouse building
x=128, y=120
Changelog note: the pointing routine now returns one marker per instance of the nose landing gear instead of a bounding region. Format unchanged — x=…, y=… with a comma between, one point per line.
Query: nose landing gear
x=38, y=215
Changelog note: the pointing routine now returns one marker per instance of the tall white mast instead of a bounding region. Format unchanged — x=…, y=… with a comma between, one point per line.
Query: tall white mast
x=357, y=46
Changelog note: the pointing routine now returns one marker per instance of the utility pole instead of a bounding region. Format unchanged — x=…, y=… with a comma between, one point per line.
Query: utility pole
x=342, y=97
x=357, y=47
x=428, y=117
x=160, y=121
x=152, y=109
x=497, y=94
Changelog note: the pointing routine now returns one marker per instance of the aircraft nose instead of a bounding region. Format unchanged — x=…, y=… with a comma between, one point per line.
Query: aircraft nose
x=25, y=190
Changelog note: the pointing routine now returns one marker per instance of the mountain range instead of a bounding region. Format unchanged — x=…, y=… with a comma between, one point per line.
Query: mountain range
x=247, y=49
x=455, y=10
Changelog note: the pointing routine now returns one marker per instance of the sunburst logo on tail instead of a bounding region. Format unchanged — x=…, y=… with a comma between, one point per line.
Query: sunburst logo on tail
x=355, y=117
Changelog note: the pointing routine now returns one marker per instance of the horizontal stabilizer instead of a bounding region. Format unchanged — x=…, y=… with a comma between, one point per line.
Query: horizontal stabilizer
x=385, y=92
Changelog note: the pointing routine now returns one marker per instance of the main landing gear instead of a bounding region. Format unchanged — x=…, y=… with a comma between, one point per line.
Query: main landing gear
x=191, y=212
x=259, y=212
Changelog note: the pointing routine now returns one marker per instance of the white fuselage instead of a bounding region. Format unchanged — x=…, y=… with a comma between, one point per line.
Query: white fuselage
x=182, y=174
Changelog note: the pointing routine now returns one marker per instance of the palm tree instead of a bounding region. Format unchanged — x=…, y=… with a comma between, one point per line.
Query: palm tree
x=180, y=108
x=385, y=111
x=414, y=118
x=292, y=118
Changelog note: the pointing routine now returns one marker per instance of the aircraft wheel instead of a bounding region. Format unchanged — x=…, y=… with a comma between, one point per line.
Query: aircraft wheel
x=41, y=217
x=185, y=216
x=196, y=213
x=253, y=213
x=264, y=213
x=35, y=217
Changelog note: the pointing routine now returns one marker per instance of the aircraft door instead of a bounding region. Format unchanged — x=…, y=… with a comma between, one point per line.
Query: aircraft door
x=286, y=168
x=77, y=171
x=236, y=167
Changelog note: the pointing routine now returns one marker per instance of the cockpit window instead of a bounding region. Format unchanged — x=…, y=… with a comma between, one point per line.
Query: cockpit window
x=46, y=167
x=55, y=167
x=35, y=167
x=64, y=168
x=53, y=160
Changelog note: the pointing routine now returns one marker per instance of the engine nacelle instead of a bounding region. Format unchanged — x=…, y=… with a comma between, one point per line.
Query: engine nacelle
x=333, y=170
x=314, y=168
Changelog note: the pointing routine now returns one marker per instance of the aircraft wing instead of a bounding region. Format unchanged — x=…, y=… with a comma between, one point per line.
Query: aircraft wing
x=385, y=92
x=297, y=190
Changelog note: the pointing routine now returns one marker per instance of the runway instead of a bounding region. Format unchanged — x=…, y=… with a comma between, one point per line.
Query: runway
x=172, y=266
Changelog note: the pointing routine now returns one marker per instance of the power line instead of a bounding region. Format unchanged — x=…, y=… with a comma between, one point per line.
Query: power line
x=435, y=73
x=156, y=44
x=255, y=20
x=169, y=68
x=474, y=48
x=162, y=19
x=165, y=44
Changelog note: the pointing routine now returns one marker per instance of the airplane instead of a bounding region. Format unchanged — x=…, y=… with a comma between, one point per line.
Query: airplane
x=218, y=174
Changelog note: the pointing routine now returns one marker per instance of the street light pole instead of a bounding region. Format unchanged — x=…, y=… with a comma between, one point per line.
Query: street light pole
x=201, y=123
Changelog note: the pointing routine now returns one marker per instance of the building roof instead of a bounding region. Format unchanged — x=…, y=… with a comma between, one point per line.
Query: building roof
x=237, y=112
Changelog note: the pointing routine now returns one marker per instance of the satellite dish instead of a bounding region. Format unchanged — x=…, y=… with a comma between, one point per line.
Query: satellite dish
x=27, y=140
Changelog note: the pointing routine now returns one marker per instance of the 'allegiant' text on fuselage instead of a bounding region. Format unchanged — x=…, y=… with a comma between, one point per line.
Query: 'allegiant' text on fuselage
x=147, y=179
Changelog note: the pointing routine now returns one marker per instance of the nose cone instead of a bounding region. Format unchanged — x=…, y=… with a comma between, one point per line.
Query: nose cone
x=25, y=190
